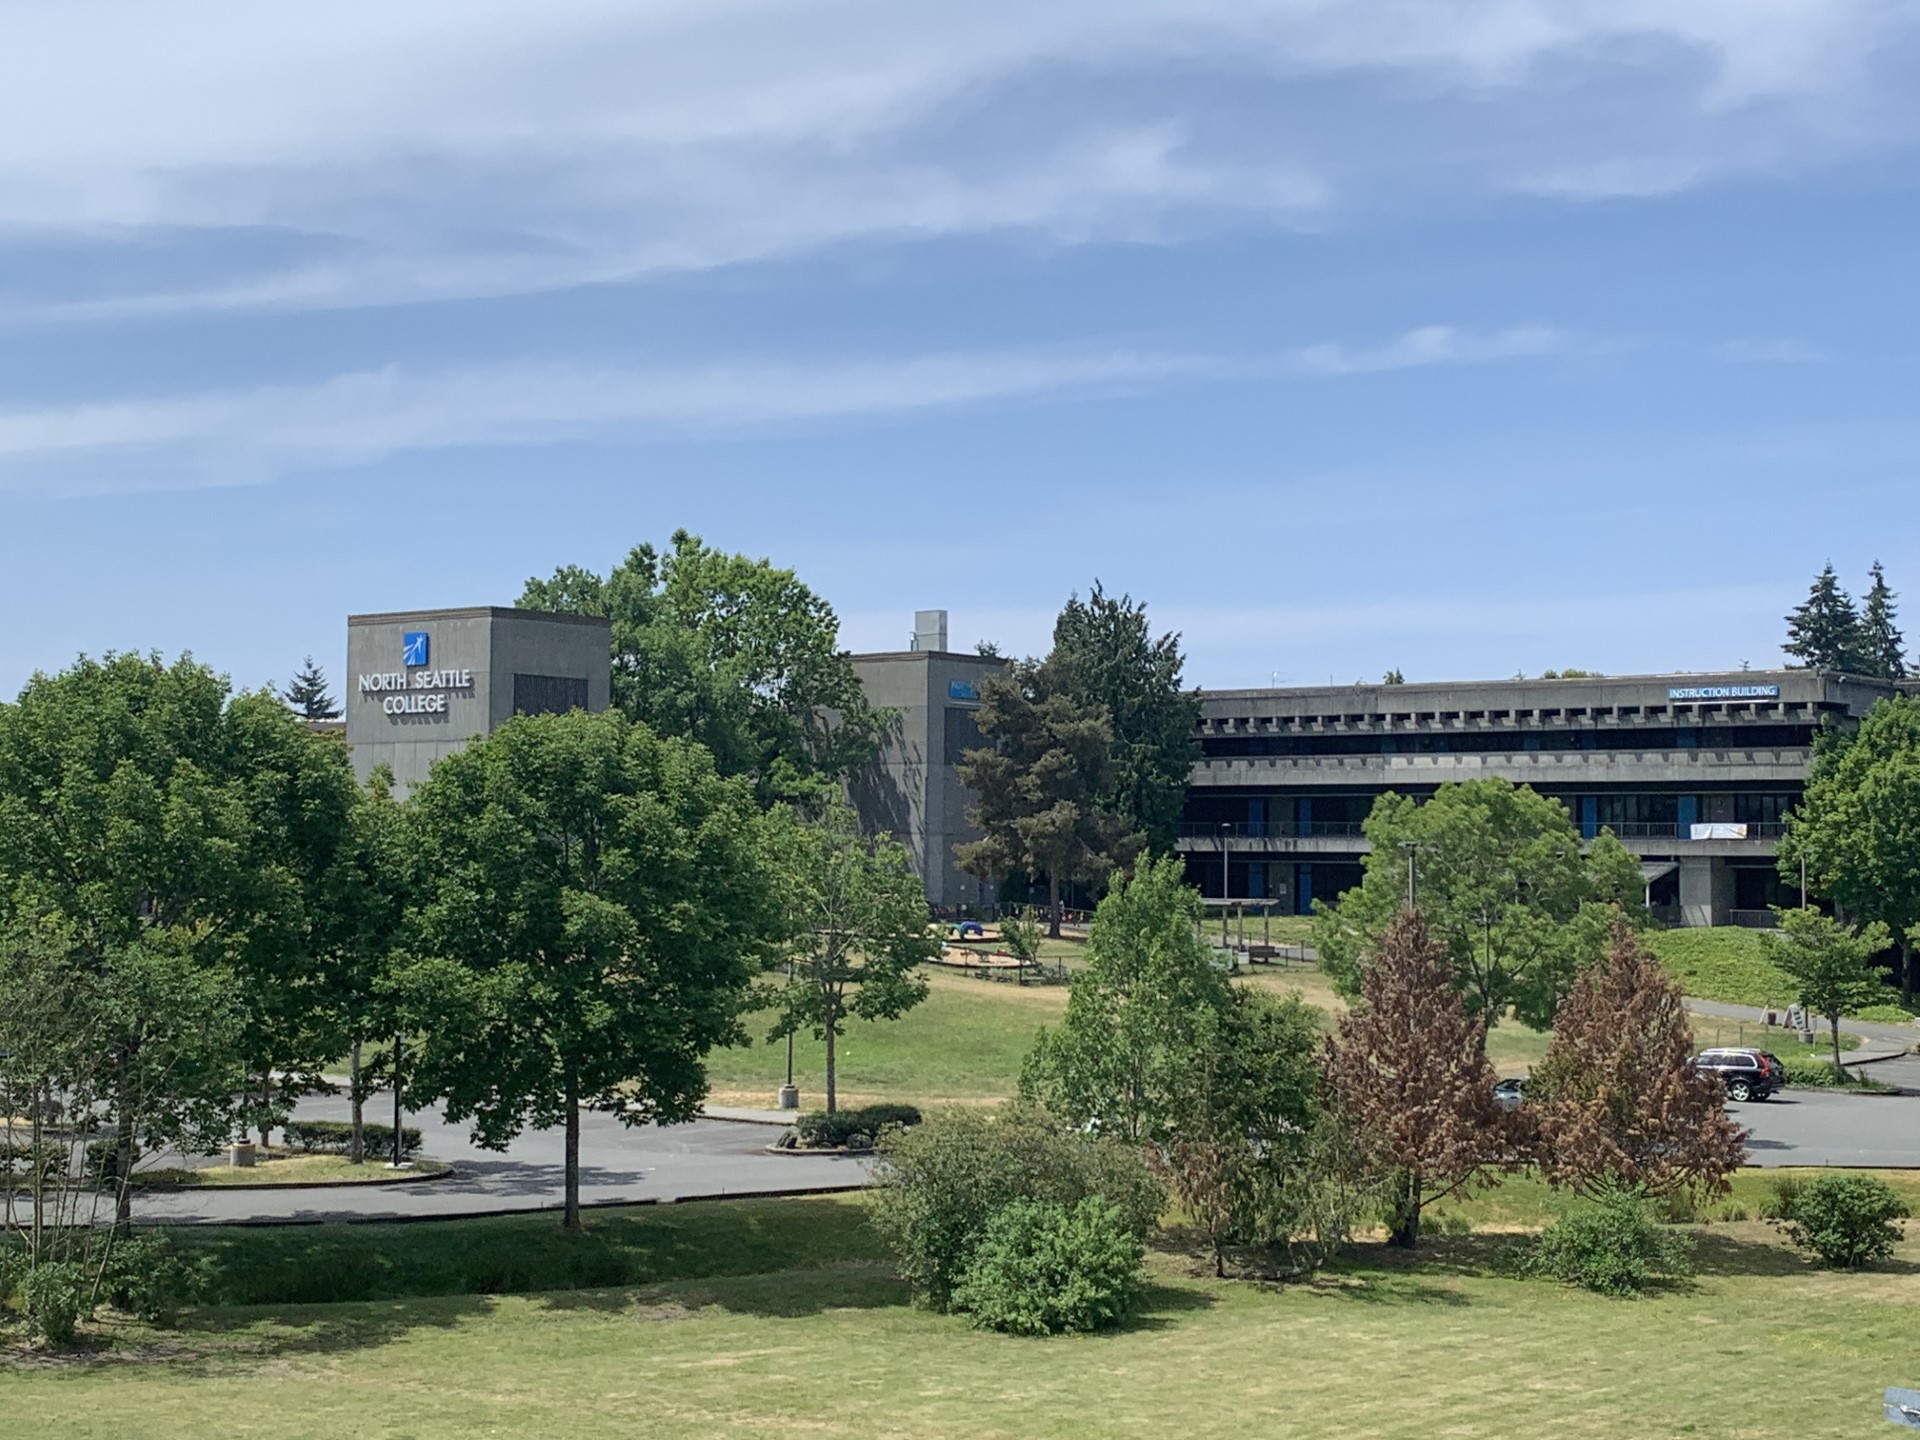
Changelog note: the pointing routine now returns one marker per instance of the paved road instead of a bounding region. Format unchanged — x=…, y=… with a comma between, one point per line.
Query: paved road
x=706, y=1158
x=1820, y=1127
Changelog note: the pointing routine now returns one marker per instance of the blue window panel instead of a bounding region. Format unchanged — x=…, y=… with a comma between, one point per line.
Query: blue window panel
x=1589, y=816
x=1303, y=890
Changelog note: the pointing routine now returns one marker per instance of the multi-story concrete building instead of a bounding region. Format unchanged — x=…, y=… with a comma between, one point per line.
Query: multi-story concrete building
x=422, y=683
x=1694, y=773
x=913, y=789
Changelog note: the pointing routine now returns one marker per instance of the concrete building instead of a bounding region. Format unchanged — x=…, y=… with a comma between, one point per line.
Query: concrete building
x=913, y=790
x=1694, y=773
x=422, y=683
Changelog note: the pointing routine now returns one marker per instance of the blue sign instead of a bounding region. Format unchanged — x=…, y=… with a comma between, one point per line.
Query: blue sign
x=961, y=690
x=413, y=648
x=1723, y=692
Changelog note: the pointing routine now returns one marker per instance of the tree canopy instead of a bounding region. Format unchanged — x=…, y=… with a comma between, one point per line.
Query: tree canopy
x=1831, y=964
x=1106, y=655
x=598, y=902
x=1043, y=787
x=1857, y=827
x=859, y=921
x=1502, y=888
x=732, y=652
x=308, y=695
x=1828, y=631
x=1617, y=1100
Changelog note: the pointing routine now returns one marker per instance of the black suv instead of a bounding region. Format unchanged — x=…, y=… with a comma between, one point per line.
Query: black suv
x=1748, y=1074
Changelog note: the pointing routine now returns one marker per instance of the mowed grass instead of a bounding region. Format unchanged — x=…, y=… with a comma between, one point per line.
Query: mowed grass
x=286, y=1169
x=1440, y=1344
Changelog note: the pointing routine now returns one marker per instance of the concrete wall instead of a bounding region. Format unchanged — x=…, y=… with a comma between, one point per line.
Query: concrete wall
x=492, y=643
x=910, y=790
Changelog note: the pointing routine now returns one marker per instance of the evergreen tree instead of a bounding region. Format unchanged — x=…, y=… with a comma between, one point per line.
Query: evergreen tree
x=1882, y=646
x=1824, y=632
x=308, y=694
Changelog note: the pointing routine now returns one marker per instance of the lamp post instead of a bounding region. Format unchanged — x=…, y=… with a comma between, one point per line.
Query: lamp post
x=1226, y=876
x=399, y=1145
x=1412, y=848
x=789, y=1092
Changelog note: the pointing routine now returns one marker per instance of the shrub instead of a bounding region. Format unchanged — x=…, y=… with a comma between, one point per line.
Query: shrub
x=942, y=1182
x=1613, y=1247
x=1821, y=1074
x=1786, y=1189
x=1884, y=1014
x=1044, y=1269
x=818, y=1128
x=335, y=1137
x=1846, y=1220
x=54, y=1295
x=147, y=1277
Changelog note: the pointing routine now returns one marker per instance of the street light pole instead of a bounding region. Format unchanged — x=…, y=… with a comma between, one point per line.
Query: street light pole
x=399, y=1149
x=1411, y=847
x=1226, y=876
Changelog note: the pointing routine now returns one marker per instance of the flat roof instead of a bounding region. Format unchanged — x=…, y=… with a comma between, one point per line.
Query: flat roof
x=479, y=612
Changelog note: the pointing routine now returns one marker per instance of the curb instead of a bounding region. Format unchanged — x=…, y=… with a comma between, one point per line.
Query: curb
x=271, y=1221
x=167, y=1187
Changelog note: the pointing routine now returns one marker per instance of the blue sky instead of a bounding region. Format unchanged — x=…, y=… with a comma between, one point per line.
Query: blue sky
x=1467, y=338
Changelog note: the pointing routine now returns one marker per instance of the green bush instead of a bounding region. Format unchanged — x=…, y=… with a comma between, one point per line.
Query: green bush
x=1846, y=1220
x=942, y=1182
x=818, y=1128
x=55, y=1298
x=1785, y=1190
x=146, y=1276
x=1043, y=1269
x=1612, y=1247
x=335, y=1137
x=1814, y=1074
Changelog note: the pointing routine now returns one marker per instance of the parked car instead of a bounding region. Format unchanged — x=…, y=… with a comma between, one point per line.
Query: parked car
x=1747, y=1074
x=1510, y=1093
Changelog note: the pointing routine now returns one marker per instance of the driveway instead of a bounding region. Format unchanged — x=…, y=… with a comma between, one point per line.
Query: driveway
x=1823, y=1127
x=618, y=1163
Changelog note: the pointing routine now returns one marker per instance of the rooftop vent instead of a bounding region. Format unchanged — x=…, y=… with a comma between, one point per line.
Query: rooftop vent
x=929, y=630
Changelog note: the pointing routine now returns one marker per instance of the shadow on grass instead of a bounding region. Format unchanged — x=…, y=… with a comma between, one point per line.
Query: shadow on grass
x=784, y=1294
x=1718, y=1253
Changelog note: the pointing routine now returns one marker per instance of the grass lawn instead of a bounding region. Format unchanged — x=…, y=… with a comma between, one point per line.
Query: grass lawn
x=294, y=1169
x=821, y=1341
x=1735, y=966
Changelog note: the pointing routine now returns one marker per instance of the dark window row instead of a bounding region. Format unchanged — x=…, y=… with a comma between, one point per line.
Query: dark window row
x=548, y=694
x=1483, y=742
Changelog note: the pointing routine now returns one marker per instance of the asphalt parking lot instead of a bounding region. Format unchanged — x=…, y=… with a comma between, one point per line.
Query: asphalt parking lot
x=1824, y=1127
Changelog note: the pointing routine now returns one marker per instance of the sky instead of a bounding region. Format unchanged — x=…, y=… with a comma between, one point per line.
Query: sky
x=1467, y=339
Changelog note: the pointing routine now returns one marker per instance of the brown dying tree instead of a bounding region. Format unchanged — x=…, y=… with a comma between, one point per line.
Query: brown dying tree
x=1617, y=1102
x=1408, y=1074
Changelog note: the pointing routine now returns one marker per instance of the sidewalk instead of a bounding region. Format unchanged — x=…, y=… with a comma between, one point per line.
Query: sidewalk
x=748, y=1116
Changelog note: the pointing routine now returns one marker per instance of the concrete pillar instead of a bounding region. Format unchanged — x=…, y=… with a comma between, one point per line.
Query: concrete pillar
x=1706, y=890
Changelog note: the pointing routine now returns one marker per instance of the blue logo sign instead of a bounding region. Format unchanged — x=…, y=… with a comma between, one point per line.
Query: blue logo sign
x=413, y=648
x=961, y=690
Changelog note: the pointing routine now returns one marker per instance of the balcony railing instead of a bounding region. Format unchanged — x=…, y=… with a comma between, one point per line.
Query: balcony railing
x=1272, y=830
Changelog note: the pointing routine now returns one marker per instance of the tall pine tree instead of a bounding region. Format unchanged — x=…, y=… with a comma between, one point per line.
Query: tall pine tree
x=1883, y=648
x=308, y=696
x=1824, y=632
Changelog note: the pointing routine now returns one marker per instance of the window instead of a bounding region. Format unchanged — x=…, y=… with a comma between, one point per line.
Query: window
x=548, y=694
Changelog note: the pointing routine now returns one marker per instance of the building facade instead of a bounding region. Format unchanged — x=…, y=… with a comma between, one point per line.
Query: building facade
x=1694, y=774
x=422, y=683
x=913, y=789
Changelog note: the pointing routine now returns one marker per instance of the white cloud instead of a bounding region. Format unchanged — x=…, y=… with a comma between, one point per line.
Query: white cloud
x=436, y=150
x=361, y=417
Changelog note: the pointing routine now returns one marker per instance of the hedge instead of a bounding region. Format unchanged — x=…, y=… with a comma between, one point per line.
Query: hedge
x=335, y=1137
x=826, y=1131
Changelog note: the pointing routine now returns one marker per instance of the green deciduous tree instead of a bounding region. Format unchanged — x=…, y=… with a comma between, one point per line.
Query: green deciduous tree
x=1831, y=964
x=859, y=914
x=1824, y=631
x=1502, y=887
x=1407, y=1074
x=1043, y=787
x=151, y=818
x=1148, y=1005
x=1106, y=655
x=596, y=903
x=1857, y=828
x=732, y=652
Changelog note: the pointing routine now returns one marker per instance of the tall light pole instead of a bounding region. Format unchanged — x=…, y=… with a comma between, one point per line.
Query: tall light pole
x=1411, y=847
x=1226, y=876
x=789, y=1092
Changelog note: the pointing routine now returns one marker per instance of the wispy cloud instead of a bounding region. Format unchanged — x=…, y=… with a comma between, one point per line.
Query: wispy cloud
x=586, y=141
x=362, y=417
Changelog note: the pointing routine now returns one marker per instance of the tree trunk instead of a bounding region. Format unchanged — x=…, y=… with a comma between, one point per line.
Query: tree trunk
x=571, y=1218
x=1906, y=971
x=1834, y=1022
x=833, y=1093
x=123, y=1182
x=357, y=1147
x=1053, y=905
x=266, y=1105
x=1403, y=1212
